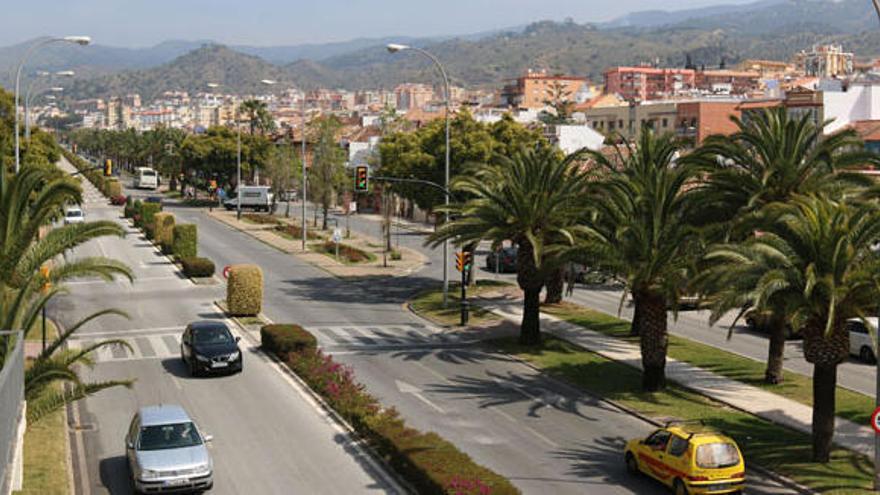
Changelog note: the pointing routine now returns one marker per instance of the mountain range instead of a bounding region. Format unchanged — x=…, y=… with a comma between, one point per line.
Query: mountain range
x=766, y=29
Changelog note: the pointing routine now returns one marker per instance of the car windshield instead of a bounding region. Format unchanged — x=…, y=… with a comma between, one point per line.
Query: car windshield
x=148, y=173
x=215, y=335
x=74, y=213
x=173, y=436
x=717, y=455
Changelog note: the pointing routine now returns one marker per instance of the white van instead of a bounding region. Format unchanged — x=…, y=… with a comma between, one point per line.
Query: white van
x=254, y=197
x=146, y=178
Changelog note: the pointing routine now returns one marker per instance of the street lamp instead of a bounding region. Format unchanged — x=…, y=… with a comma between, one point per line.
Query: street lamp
x=394, y=48
x=77, y=40
x=27, y=96
x=238, y=159
x=270, y=82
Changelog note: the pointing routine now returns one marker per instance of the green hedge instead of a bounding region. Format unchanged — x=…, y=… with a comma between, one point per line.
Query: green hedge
x=148, y=212
x=431, y=464
x=114, y=188
x=284, y=339
x=128, y=211
x=185, y=240
x=244, y=290
x=163, y=223
x=197, y=267
x=137, y=213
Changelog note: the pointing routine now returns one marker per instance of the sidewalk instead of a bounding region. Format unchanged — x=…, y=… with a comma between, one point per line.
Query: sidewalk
x=411, y=261
x=747, y=398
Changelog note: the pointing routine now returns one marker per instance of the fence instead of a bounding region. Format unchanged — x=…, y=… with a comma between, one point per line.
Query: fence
x=11, y=413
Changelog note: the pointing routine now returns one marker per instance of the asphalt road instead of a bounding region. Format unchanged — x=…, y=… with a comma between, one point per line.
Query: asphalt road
x=544, y=436
x=269, y=437
x=852, y=374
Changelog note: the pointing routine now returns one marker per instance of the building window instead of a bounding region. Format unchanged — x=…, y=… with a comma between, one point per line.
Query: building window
x=610, y=125
x=620, y=124
x=665, y=123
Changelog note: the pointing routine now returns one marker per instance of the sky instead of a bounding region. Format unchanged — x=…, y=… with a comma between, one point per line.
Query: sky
x=134, y=23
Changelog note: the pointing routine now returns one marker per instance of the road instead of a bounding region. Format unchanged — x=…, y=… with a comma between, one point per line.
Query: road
x=544, y=436
x=694, y=325
x=269, y=437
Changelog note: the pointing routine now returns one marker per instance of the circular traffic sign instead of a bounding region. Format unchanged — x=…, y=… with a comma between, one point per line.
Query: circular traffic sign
x=875, y=420
x=226, y=271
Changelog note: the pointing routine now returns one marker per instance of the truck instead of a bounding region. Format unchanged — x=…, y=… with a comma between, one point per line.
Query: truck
x=253, y=197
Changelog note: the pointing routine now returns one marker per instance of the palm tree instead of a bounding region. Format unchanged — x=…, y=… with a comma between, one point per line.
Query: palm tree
x=771, y=158
x=258, y=115
x=29, y=201
x=815, y=256
x=534, y=199
x=640, y=228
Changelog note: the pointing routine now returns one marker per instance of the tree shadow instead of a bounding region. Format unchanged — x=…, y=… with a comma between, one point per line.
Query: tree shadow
x=602, y=462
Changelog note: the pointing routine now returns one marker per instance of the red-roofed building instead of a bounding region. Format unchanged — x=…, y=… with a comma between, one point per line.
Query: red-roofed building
x=648, y=83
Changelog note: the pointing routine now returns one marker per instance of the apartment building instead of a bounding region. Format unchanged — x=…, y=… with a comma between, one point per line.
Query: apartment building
x=825, y=61
x=535, y=88
x=727, y=82
x=646, y=83
x=411, y=96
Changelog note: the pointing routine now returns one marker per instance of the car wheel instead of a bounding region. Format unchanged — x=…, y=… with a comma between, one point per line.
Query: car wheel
x=750, y=323
x=632, y=466
x=192, y=369
x=867, y=355
x=678, y=488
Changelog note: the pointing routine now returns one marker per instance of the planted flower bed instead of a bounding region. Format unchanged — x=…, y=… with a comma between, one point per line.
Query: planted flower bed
x=347, y=253
x=431, y=464
x=294, y=232
x=260, y=219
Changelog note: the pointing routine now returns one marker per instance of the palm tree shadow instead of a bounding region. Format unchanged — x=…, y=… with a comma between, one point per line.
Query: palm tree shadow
x=602, y=462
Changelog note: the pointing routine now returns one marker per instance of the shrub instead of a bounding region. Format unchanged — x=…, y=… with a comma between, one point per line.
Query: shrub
x=118, y=200
x=428, y=462
x=148, y=211
x=164, y=230
x=396, y=255
x=128, y=211
x=346, y=252
x=244, y=290
x=114, y=188
x=197, y=267
x=295, y=232
x=185, y=241
x=137, y=213
x=260, y=219
x=149, y=230
x=284, y=339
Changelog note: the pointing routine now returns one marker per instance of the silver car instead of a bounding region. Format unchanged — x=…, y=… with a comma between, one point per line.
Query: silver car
x=166, y=452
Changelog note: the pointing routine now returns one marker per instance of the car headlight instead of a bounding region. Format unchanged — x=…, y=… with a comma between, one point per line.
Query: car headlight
x=202, y=358
x=203, y=469
x=149, y=474
x=235, y=355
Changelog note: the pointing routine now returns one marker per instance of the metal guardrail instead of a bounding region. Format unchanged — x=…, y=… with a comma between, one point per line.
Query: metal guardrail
x=11, y=411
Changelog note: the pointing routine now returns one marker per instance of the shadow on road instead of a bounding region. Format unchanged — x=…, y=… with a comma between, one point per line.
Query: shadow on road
x=602, y=462
x=115, y=474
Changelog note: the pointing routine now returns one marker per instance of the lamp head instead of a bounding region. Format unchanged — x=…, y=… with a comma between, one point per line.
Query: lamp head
x=79, y=40
x=396, y=47
x=56, y=89
x=212, y=85
x=65, y=73
x=41, y=73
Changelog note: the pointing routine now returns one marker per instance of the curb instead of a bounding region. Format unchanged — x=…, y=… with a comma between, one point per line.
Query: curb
x=358, y=440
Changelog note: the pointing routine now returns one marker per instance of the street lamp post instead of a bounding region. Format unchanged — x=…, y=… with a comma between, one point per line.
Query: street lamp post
x=877, y=370
x=237, y=159
x=79, y=40
x=304, y=180
x=394, y=48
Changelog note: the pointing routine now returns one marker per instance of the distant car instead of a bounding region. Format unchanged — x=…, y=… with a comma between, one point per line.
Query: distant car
x=860, y=342
x=289, y=195
x=759, y=321
x=209, y=347
x=503, y=260
x=146, y=178
x=153, y=199
x=166, y=452
x=689, y=458
x=254, y=197
x=73, y=214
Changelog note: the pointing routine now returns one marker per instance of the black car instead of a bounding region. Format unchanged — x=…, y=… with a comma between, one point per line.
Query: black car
x=209, y=347
x=760, y=322
x=503, y=260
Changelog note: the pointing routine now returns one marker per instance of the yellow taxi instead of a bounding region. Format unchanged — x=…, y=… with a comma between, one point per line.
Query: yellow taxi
x=690, y=458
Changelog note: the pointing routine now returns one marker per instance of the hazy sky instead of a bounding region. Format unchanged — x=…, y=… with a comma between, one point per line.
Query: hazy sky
x=273, y=22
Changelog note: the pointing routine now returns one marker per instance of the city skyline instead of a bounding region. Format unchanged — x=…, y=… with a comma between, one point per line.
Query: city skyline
x=271, y=22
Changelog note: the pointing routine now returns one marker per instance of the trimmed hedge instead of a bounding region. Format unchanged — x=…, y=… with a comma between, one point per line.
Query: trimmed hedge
x=283, y=339
x=164, y=230
x=244, y=290
x=112, y=188
x=128, y=211
x=137, y=213
x=184, y=242
x=431, y=464
x=148, y=212
x=197, y=267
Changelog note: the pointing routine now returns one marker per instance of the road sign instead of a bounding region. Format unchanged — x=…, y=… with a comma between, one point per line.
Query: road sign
x=337, y=235
x=226, y=271
x=353, y=207
x=875, y=420
x=463, y=261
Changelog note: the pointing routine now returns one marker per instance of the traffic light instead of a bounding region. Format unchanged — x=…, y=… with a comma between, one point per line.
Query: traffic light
x=463, y=261
x=108, y=167
x=44, y=273
x=361, y=179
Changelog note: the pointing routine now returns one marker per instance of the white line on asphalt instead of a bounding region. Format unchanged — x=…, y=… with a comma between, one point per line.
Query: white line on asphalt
x=125, y=333
x=527, y=428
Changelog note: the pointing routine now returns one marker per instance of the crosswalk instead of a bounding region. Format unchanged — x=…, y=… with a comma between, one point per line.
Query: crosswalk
x=164, y=343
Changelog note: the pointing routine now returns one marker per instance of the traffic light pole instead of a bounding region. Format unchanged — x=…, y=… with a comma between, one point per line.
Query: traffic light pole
x=464, y=301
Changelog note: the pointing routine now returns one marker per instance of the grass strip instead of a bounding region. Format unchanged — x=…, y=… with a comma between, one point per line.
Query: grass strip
x=429, y=304
x=45, y=457
x=773, y=447
x=851, y=405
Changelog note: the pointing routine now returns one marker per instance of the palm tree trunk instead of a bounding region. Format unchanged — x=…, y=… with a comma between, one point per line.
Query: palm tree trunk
x=555, y=287
x=653, y=341
x=824, y=388
x=530, y=329
x=774, y=374
x=637, y=312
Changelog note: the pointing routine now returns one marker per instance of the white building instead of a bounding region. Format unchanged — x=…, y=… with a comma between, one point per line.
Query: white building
x=570, y=138
x=860, y=101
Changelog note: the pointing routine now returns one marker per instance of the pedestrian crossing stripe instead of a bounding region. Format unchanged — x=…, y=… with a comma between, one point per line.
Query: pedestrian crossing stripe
x=165, y=343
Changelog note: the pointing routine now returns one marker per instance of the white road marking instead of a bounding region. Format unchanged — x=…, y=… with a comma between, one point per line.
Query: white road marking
x=407, y=388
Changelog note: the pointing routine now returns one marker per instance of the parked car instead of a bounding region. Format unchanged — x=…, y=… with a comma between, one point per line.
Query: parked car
x=689, y=458
x=759, y=321
x=153, y=199
x=254, y=197
x=146, y=178
x=73, y=214
x=503, y=260
x=166, y=452
x=860, y=342
x=288, y=195
x=209, y=347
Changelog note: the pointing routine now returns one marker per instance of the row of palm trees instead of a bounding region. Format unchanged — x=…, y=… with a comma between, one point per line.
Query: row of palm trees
x=774, y=218
x=30, y=201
